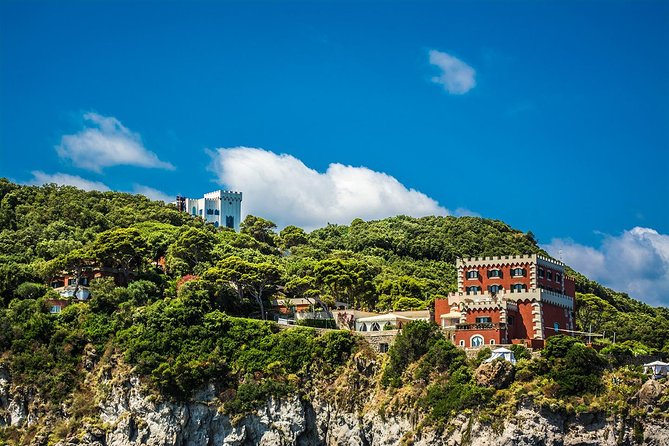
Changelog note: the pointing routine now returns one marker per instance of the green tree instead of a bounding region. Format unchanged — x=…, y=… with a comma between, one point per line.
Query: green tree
x=348, y=280
x=408, y=303
x=414, y=341
x=592, y=312
x=191, y=247
x=121, y=248
x=260, y=229
x=291, y=236
x=573, y=366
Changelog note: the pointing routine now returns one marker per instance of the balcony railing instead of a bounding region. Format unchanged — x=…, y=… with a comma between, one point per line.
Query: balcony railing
x=481, y=326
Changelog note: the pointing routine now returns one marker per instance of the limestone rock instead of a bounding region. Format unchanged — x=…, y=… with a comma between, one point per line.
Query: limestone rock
x=650, y=393
x=498, y=374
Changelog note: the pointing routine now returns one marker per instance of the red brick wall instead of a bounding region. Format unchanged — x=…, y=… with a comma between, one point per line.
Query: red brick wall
x=466, y=335
x=569, y=287
x=554, y=314
x=517, y=326
x=543, y=282
x=505, y=281
x=524, y=329
x=473, y=314
x=441, y=306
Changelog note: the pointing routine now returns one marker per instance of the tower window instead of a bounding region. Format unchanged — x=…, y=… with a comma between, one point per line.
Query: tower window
x=495, y=288
x=541, y=272
x=494, y=273
x=229, y=221
x=484, y=320
x=558, y=277
x=473, y=289
x=549, y=275
x=472, y=274
x=518, y=272
x=216, y=212
x=518, y=287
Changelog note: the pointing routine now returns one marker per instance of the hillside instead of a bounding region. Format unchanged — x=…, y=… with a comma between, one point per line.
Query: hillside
x=195, y=323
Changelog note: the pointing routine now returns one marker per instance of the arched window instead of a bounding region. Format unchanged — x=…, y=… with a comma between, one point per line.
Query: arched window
x=472, y=274
x=473, y=289
x=556, y=327
x=216, y=212
x=194, y=211
x=477, y=341
x=462, y=343
x=494, y=273
x=494, y=289
x=216, y=224
x=518, y=287
x=363, y=327
x=492, y=342
x=375, y=327
x=518, y=272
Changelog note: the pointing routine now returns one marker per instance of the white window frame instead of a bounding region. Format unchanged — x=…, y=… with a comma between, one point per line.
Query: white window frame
x=471, y=341
x=523, y=272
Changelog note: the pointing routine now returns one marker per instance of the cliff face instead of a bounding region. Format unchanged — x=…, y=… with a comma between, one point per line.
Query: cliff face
x=128, y=414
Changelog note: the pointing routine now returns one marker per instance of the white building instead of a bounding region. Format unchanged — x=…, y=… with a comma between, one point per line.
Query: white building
x=221, y=208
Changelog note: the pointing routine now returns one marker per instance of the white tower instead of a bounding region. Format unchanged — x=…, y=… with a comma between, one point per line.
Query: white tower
x=221, y=208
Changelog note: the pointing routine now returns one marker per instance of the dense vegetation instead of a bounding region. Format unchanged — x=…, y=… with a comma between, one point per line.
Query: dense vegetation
x=201, y=318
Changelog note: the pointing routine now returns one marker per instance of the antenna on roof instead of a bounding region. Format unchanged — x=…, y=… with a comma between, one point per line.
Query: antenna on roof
x=560, y=254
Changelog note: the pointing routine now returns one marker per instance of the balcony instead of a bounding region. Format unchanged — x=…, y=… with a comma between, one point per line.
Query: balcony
x=482, y=326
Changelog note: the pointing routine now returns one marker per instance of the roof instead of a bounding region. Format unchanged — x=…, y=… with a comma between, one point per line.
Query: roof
x=394, y=316
x=414, y=314
x=294, y=302
x=656, y=363
x=502, y=350
x=451, y=315
x=355, y=313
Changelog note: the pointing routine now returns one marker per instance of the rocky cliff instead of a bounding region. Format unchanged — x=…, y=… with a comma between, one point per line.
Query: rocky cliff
x=127, y=413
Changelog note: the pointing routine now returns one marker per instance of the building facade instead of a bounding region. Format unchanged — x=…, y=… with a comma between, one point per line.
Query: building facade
x=221, y=208
x=507, y=299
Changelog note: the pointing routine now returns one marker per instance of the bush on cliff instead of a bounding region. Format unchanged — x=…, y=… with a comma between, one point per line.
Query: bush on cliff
x=575, y=367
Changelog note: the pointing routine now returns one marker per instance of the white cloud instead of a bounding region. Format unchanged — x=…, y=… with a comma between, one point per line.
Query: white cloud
x=64, y=179
x=464, y=212
x=283, y=189
x=153, y=194
x=636, y=262
x=106, y=142
x=457, y=77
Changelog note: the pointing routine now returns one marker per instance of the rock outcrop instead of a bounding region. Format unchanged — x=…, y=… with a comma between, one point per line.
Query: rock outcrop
x=130, y=414
x=498, y=374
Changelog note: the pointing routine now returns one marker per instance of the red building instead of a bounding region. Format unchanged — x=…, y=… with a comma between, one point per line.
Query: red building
x=507, y=299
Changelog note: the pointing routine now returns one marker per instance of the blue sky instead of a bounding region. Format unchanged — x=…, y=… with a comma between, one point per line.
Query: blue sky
x=551, y=116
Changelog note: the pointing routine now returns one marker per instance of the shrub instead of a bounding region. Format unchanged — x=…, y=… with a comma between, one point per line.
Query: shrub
x=520, y=352
x=573, y=366
x=415, y=340
x=442, y=356
x=482, y=355
x=317, y=323
x=618, y=354
x=460, y=392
